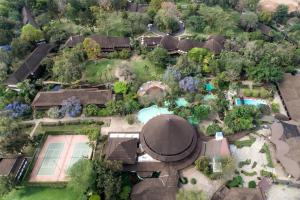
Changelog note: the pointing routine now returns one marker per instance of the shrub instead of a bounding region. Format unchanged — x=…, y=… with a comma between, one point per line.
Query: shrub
x=130, y=119
x=54, y=113
x=189, y=84
x=120, y=87
x=247, y=92
x=213, y=128
x=95, y=197
x=252, y=184
x=184, y=180
x=265, y=149
x=245, y=162
x=193, y=181
x=244, y=143
x=254, y=165
x=275, y=107
x=264, y=93
x=18, y=109
x=202, y=164
x=248, y=173
x=92, y=133
x=266, y=174
x=71, y=107
x=124, y=54
x=235, y=182
x=255, y=93
x=264, y=109
x=125, y=193
x=91, y=110
x=104, y=112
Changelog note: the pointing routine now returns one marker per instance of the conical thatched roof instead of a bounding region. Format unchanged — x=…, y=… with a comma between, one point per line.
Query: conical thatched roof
x=168, y=138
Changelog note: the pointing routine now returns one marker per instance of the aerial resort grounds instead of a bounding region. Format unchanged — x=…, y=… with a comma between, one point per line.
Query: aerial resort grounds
x=149, y=99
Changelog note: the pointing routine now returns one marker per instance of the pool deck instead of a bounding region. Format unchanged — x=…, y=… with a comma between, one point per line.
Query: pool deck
x=119, y=124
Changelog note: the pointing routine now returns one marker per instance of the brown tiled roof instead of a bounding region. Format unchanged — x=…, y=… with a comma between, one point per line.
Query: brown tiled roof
x=289, y=90
x=216, y=148
x=187, y=44
x=266, y=30
x=151, y=41
x=10, y=165
x=153, y=189
x=215, y=44
x=122, y=149
x=169, y=43
x=107, y=44
x=286, y=137
x=135, y=7
x=225, y=193
x=86, y=96
x=30, y=65
x=27, y=17
x=168, y=138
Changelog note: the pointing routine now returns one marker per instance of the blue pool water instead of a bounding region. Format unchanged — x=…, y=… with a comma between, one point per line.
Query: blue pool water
x=254, y=102
x=209, y=87
x=146, y=114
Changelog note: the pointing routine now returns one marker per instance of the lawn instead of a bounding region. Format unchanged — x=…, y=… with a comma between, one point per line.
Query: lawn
x=41, y=193
x=66, y=129
x=100, y=71
x=103, y=70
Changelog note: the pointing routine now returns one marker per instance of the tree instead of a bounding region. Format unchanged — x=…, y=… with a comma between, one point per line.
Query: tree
x=7, y=183
x=69, y=64
x=190, y=195
x=249, y=20
x=202, y=165
x=8, y=126
x=54, y=112
x=241, y=118
x=13, y=144
x=31, y=34
x=17, y=109
x=27, y=90
x=195, y=23
x=155, y=4
x=71, y=107
x=189, y=84
x=92, y=133
x=212, y=129
x=92, y=48
x=265, y=17
x=200, y=112
x=81, y=176
x=281, y=13
x=120, y=87
x=167, y=18
x=5, y=36
x=20, y=48
x=199, y=55
x=265, y=72
x=158, y=56
x=108, y=178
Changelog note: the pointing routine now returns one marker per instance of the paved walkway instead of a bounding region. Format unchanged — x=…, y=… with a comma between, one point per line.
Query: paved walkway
x=119, y=124
x=209, y=187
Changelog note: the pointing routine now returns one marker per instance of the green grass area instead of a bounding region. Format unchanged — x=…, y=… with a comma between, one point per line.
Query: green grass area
x=41, y=193
x=266, y=150
x=146, y=71
x=244, y=143
x=100, y=71
x=66, y=128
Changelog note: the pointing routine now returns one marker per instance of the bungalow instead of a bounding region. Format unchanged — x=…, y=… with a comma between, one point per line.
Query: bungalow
x=174, y=45
x=30, y=69
x=289, y=91
x=167, y=143
x=46, y=100
x=225, y=193
x=286, y=138
x=107, y=44
x=13, y=166
x=28, y=18
x=136, y=7
x=216, y=149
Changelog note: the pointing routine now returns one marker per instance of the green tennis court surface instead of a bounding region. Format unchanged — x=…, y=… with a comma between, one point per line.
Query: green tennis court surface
x=81, y=150
x=51, y=158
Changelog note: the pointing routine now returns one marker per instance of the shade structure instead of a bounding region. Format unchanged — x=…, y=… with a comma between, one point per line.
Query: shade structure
x=168, y=138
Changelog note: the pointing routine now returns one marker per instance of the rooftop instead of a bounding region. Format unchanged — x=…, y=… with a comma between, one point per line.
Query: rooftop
x=86, y=96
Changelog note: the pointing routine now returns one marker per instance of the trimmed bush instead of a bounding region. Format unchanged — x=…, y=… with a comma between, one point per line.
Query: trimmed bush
x=235, y=182
x=244, y=143
x=266, y=174
x=183, y=180
x=248, y=173
x=193, y=181
x=275, y=107
x=95, y=197
x=247, y=92
x=264, y=93
x=255, y=93
x=252, y=184
x=265, y=149
x=213, y=128
x=90, y=110
x=130, y=119
x=254, y=165
x=245, y=162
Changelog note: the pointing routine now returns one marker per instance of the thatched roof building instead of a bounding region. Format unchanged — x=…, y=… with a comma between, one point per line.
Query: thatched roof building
x=168, y=138
x=289, y=90
x=44, y=100
x=122, y=149
x=31, y=66
x=13, y=166
x=225, y=193
x=286, y=138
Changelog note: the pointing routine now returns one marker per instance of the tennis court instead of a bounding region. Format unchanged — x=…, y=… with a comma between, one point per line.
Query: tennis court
x=57, y=155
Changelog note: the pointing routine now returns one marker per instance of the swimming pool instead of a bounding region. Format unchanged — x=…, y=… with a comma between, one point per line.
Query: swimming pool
x=146, y=114
x=254, y=102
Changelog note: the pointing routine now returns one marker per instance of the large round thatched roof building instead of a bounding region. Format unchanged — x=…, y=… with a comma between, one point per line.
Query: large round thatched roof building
x=168, y=138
